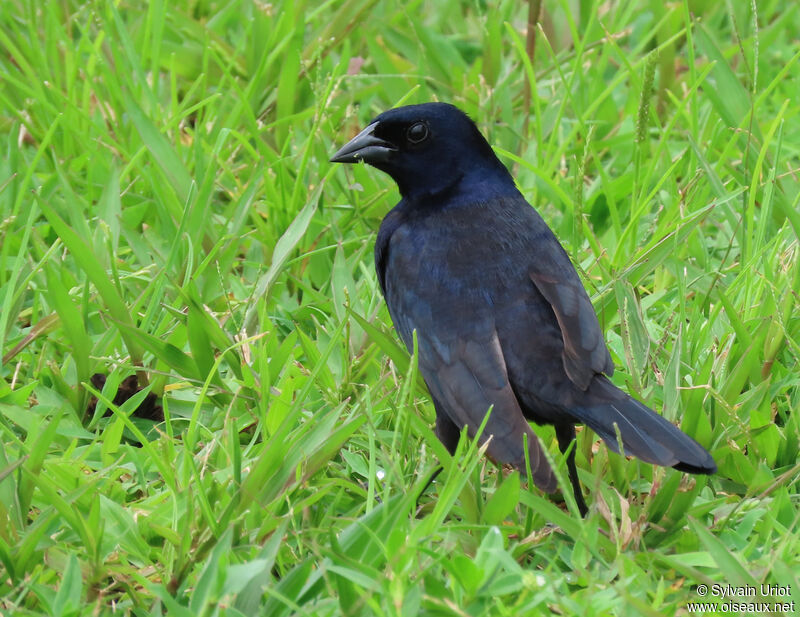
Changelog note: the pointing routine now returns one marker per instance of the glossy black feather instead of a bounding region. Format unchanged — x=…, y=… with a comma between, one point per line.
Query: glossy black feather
x=501, y=316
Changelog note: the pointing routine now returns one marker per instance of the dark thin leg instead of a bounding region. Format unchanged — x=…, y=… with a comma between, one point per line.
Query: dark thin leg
x=448, y=434
x=566, y=438
x=436, y=472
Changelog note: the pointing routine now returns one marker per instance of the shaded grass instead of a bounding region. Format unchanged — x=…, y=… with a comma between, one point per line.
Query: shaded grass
x=167, y=211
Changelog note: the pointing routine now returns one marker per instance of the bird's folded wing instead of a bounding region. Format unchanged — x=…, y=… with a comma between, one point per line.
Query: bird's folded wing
x=467, y=377
x=585, y=352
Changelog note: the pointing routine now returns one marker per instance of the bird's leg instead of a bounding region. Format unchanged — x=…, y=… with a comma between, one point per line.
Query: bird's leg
x=448, y=434
x=436, y=472
x=566, y=438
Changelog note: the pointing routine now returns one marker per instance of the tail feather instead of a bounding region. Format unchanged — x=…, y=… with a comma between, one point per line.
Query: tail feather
x=644, y=434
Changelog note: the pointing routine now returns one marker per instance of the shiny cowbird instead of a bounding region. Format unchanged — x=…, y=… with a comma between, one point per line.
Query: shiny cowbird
x=502, y=319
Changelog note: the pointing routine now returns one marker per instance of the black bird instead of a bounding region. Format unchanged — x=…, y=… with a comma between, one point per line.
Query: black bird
x=502, y=318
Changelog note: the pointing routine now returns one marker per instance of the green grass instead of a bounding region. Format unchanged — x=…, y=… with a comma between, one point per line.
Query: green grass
x=167, y=210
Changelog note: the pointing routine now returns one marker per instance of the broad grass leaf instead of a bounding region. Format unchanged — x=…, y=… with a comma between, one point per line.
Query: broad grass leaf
x=735, y=572
x=283, y=248
x=503, y=501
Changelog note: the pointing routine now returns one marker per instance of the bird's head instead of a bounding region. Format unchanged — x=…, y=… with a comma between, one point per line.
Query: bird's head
x=426, y=149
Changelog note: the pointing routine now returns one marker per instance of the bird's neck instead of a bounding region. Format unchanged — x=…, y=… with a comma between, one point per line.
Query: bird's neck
x=488, y=182
x=463, y=185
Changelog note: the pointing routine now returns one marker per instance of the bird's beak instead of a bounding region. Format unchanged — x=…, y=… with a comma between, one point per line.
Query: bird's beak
x=364, y=147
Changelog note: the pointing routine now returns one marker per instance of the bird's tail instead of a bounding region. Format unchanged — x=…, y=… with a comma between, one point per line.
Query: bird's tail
x=644, y=434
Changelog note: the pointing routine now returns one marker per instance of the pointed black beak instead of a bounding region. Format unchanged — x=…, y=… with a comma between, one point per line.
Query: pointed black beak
x=364, y=147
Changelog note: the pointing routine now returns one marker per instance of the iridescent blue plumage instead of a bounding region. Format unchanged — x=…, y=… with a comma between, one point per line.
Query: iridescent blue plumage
x=501, y=316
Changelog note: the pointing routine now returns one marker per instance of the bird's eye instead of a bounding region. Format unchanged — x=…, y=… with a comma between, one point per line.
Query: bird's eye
x=417, y=133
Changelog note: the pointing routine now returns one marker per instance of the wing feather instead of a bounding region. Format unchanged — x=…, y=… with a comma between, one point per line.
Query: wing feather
x=467, y=384
x=585, y=353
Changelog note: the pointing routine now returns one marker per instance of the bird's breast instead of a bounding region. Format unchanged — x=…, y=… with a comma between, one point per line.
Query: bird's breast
x=453, y=259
